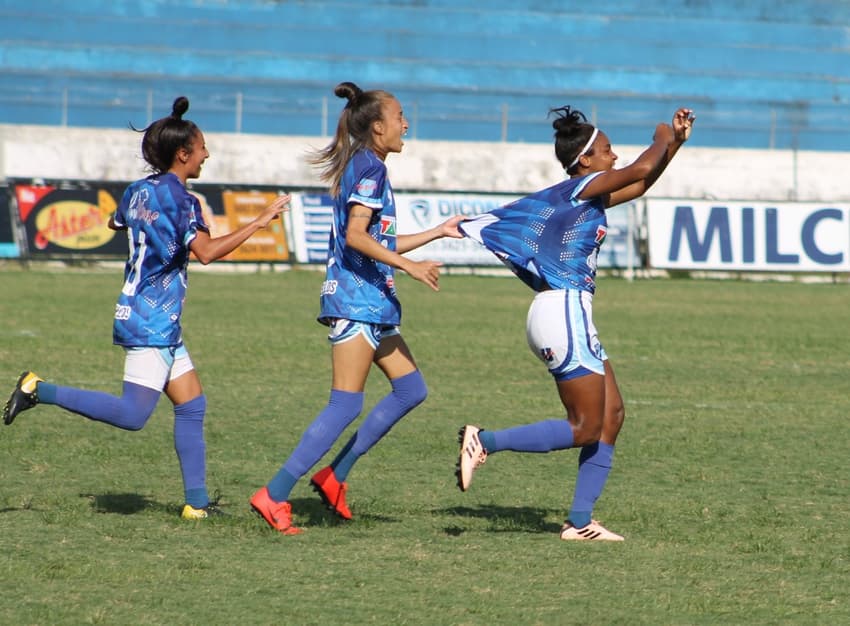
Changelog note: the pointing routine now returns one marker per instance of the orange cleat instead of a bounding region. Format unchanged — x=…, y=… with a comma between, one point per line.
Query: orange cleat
x=332, y=492
x=277, y=514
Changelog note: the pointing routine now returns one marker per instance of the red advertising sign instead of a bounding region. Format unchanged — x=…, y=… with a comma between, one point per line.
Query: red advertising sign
x=62, y=220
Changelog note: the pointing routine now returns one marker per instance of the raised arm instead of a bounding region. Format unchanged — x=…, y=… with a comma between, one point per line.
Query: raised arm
x=208, y=249
x=683, y=121
x=635, y=179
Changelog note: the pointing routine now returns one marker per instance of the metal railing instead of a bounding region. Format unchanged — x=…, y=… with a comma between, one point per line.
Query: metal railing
x=506, y=117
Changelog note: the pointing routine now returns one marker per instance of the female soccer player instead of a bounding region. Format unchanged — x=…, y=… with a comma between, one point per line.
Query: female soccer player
x=551, y=240
x=163, y=223
x=358, y=302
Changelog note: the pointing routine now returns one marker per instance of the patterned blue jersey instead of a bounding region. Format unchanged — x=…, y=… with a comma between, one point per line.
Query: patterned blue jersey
x=357, y=287
x=162, y=219
x=549, y=239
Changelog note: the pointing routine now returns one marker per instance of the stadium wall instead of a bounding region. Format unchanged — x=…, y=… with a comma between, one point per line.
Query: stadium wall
x=51, y=152
x=728, y=210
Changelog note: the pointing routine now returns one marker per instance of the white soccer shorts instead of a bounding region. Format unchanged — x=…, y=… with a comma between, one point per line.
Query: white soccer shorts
x=153, y=367
x=560, y=331
x=343, y=330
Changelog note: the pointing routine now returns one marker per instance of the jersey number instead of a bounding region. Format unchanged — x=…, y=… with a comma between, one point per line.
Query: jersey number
x=138, y=256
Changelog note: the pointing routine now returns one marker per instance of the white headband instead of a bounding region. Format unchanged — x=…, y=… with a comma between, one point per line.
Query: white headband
x=583, y=150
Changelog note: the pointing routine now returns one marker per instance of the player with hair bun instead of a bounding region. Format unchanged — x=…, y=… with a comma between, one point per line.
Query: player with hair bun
x=163, y=222
x=551, y=240
x=358, y=302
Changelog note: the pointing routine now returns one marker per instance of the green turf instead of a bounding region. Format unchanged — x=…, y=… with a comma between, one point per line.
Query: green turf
x=730, y=480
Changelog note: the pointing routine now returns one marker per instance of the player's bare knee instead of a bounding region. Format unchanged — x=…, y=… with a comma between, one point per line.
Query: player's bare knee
x=586, y=432
x=616, y=415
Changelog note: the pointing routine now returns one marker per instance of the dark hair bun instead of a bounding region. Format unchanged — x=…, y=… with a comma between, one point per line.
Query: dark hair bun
x=566, y=118
x=349, y=91
x=180, y=106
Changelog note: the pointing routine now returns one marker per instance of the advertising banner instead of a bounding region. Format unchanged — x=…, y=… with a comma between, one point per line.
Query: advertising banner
x=8, y=247
x=417, y=212
x=226, y=209
x=312, y=218
x=70, y=219
x=748, y=236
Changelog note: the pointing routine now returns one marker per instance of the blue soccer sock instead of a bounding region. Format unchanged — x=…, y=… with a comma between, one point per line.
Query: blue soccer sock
x=130, y=412
x=594, y=465
x=342, y=408
x=408, y=391
x=191, y=449
x=542, y=436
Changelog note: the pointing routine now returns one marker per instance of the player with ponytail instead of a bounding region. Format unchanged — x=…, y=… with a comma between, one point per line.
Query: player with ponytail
x=164, y=224
x=358, y=302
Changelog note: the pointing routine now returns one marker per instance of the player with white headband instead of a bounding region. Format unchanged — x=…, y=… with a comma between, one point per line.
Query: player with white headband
x=584, y=150
x=551, y=240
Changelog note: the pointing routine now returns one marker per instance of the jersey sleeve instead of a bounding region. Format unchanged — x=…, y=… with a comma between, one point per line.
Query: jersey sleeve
x=195, y=219
x=582, y=183
x=369, y=187
x=119, y=218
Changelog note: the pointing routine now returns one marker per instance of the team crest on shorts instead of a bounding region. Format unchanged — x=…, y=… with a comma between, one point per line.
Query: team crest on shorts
x=547, y=354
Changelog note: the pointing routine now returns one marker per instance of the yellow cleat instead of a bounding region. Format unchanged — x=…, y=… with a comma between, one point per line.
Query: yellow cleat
x=25, y=396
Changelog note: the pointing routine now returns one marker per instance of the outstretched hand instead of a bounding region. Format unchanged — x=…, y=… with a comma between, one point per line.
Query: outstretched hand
x=426, y=271
x=449, y=227
x=273, y=210
x=683, y=122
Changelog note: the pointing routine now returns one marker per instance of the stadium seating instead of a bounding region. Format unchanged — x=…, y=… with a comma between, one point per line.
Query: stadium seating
x=761, y=74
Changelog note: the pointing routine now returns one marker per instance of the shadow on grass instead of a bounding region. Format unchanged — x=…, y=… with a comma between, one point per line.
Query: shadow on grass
x=504, y=519
x=13, y=509
x=124, y=503
x=312, y=512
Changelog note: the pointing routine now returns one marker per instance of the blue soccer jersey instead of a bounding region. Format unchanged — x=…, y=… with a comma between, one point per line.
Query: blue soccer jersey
x=162, y=218
x=356, y=286
x=549, y=239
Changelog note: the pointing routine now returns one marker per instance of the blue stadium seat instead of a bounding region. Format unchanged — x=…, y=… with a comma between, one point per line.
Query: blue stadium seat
x=765, y=73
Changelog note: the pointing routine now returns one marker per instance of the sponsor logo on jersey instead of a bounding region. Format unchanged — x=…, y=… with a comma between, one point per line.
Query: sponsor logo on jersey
x=329, y=287
x=601, y=231
x=593, y=260
x=387, y=226
x=122, y=312
x=366, y=187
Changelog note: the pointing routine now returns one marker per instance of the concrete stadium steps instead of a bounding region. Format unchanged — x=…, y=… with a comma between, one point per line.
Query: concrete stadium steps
x=766, y=73
x=395, y=73
x=685, y=53
x=830, y=13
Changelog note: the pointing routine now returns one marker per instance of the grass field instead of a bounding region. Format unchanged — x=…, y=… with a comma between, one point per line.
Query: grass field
x=730, y=480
